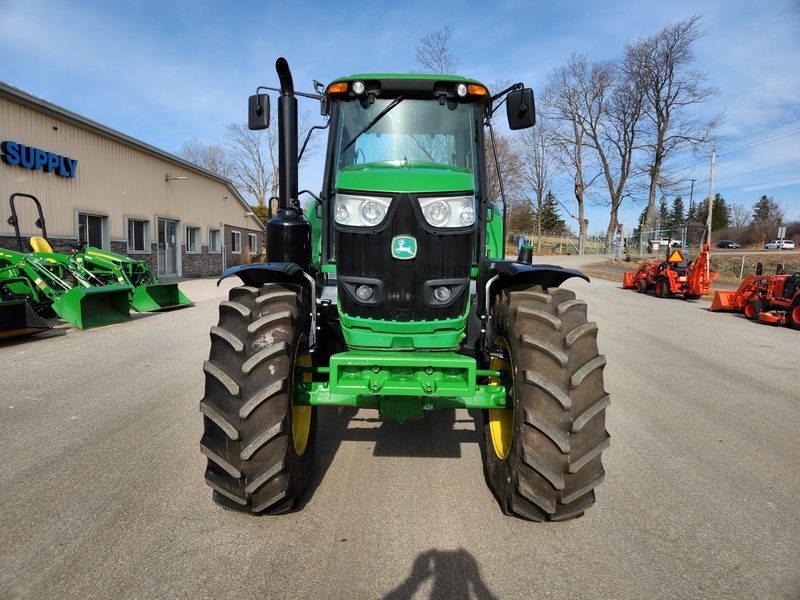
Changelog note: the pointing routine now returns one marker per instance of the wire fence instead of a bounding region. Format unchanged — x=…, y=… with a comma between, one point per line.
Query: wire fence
x=639, y=245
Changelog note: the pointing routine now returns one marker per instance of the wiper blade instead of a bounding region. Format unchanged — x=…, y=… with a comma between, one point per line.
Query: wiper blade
x=371, y=124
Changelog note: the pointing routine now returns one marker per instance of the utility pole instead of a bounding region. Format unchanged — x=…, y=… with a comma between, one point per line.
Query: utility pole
x=710, y=195
x=691, y=196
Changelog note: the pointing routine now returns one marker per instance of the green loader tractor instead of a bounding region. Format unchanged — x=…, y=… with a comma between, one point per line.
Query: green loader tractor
x=147, y=295
x=102, y=268
x=52, y=284
x=391, y=292
x=18, y=318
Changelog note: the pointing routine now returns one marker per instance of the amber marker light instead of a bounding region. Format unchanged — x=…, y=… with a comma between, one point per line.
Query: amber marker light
x=477, y=90
x=337, y=88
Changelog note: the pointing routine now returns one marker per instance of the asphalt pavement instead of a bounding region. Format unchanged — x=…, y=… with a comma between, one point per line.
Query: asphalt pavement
x=104, y=497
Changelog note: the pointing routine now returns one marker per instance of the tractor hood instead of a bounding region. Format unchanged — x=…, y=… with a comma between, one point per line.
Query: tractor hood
x=403, y=176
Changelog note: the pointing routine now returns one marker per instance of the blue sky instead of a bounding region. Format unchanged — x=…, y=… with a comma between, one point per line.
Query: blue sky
x=164, y=72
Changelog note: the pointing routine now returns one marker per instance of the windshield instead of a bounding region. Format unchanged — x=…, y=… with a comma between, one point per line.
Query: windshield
x=406, y=130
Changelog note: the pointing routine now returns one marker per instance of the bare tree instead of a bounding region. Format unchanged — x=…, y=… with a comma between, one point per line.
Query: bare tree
x=659, y=66
x=254, y=159
x=211, y=157
x=434, y=55
x=614, y=139
x=538, y=167
x=740, y=215
x=564, y=106
x=511, y=166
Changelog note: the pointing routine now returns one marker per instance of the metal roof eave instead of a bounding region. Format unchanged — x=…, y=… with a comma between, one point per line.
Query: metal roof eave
x=48, y=108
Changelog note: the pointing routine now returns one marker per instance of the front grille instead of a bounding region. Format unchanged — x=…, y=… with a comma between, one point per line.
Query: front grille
x=440, y=256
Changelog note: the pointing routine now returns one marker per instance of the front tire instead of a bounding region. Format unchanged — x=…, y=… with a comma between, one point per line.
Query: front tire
x=543, y=455
x=753, y=309
x=260, y=447
x=662, y=288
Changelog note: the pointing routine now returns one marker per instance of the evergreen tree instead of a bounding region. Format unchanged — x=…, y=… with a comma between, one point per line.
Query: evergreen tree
x=691, y=214
x=641, y=218
x=676, y=213
x=662, y=221
x=550, y=217
x=767, y=212
x=721, y=214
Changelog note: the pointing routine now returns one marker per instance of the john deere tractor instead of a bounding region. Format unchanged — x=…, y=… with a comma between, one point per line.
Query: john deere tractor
x=391, y=292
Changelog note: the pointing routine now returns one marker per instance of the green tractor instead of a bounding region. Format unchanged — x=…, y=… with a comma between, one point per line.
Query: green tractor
x=53, y=284
x=147, y=294
x=103, y=268
x=392, y=293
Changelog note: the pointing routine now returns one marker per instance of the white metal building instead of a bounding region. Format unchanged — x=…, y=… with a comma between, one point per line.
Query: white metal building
x=114, y=192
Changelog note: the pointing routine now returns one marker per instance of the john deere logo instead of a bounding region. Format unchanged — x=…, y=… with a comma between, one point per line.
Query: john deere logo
x=404, y=247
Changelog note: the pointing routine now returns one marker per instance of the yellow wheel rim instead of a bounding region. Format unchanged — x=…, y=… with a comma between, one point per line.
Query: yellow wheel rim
x=301, y=415
x=501, y=421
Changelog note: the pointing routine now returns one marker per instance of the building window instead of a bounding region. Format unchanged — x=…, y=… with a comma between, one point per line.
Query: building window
x=138, y=235
x=90, y=229
x=193, y=239
x=236, y=242
x=252, y=242
x=214, y=239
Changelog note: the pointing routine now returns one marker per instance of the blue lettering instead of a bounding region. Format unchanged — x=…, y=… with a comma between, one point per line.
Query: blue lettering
x=67, y=166
x=10, y=153
x=27, y=156
x=41, y=158
x=34, y=158
x=53, y=161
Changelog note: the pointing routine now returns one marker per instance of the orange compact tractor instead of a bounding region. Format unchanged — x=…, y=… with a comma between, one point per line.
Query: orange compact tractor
x=676, y=275
x=769, y=298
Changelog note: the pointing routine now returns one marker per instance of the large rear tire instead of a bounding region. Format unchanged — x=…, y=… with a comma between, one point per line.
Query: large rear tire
x=260, y=447
x=793, y=314
x=543, y=456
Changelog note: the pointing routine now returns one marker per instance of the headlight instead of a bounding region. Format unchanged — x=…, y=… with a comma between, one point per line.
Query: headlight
x=360, y=211
x=457, y=211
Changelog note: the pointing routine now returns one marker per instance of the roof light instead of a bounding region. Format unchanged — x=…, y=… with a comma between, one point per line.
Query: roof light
x=358, y=87
x=461, y=90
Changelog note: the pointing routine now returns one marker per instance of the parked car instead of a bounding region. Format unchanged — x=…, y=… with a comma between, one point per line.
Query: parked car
x=727, y=244
x=664, y=242
x=779, y=244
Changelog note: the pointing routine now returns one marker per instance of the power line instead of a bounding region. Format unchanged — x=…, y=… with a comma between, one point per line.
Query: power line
x=765, y=130
x=768, y=140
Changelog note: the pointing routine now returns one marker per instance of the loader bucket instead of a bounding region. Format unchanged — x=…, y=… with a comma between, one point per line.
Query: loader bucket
x=628, y=281
x=94, y=306
x=160, y=296
x=17, y=317
x=723, y=300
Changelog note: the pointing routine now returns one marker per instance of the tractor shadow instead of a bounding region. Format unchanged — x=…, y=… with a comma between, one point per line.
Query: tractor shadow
x=439, y=434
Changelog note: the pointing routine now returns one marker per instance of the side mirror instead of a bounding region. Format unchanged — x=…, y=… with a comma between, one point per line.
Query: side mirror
x=258, y=112
x=520, y=109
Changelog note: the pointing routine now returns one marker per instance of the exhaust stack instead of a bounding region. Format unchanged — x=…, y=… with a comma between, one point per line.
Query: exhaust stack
x=288, y=232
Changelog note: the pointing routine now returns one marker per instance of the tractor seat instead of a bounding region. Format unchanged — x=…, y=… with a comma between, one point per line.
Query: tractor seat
x=790, y=285
x=39, y=244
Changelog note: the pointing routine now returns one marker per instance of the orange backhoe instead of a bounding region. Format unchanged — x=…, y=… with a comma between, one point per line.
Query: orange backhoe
x=768, y=298
x=676, y=275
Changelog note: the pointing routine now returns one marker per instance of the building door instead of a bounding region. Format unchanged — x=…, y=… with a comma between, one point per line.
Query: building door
x=90, y=230
x=167, y=248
